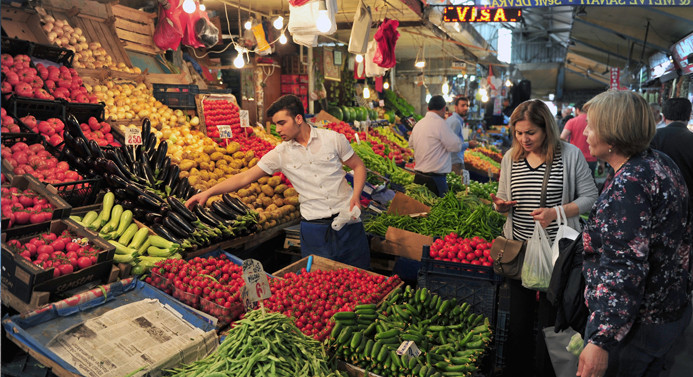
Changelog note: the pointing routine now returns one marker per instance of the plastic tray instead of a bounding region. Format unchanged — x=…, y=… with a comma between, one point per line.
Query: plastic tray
x=161, y=283
x=187, y=298
x=53, y=54
x=14, y=46
x=224, y=315
x=83, y=111
x=40, y=108
x=176, y=96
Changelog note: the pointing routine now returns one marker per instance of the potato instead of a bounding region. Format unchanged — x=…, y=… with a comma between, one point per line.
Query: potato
x=246, y=200
x=274, y=181
x=263, y=180
x=271, y=208
x=255, y=187
x=193, y=179
x=209, y=149
x=267, y=190
x=243, y=193
x=293, y=200
x=216, y=156
x=266, y=201
x=239, y=155
x=253, y=162
x=280, y=189
x=233, y=147
x=249, y=155
x=278, y=201
x=290, y=192
x=184, y=174
x=186, y=165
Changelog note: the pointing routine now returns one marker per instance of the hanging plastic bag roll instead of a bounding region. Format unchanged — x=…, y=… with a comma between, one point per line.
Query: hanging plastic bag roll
x=361, y=29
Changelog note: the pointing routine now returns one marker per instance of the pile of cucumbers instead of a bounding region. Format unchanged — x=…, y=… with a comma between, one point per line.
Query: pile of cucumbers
x=450, y=337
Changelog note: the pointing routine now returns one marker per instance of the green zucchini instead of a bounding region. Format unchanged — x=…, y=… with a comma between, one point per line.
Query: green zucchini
x=129, y=233
x=124, y=223
x=139, y=238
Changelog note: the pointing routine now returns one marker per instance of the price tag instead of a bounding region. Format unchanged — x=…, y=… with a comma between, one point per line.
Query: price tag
x=490, y=173
x=247, y=302
x=244, y=117
x=465, y=177
x=225, y=131
x=133, y=136
x=381, y=103
x=358, y=140
x=408, y=348
x=256, y=280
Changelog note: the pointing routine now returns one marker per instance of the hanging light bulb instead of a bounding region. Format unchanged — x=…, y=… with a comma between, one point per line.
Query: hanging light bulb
x=420, y=64
x=386, y=85
x=189, y=6
x=484, y=98
x=282, y=39
x=239, y=61
x=323, y=21
x=508, y=83
x=202, y=7
x=359, y=58
x=446, y=88
x=248, y=24
x=483, y=92
x=278, y=22
x=366, y=92
x=428, y=96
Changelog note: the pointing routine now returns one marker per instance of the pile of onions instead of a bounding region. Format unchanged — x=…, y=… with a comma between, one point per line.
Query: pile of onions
x=87, y=55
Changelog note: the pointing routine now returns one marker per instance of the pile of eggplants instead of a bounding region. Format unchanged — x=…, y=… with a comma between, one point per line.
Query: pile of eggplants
x=145, y=181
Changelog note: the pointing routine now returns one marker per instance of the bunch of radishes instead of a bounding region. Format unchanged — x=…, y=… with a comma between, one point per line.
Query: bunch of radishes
x=65, y=83
x=36, y=160
x=21, y=78
x=25, y=206
x=53, y=129
x=99, y=132
x=8, y=124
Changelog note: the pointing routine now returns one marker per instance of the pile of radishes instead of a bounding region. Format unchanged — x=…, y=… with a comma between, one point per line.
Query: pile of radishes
x=36, y=160
x=65, y=83
x=53, y=129
x=8, y=124
x=25, y=206
x=65, y=252
x=21, y=78
x=99, y=132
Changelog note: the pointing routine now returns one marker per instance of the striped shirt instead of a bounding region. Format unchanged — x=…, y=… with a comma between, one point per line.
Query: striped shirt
x=525, y=186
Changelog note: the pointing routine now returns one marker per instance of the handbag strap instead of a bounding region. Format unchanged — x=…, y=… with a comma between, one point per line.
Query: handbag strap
x=547, y=172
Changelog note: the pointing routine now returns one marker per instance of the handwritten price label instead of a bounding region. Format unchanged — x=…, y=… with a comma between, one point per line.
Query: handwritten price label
x=244, y=118
x=255, y=280
x=225, y=131
x=133, y=136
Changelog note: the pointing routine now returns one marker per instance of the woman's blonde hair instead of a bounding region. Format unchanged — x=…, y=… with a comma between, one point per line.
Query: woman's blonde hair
x=536, y=112
x=622, y=119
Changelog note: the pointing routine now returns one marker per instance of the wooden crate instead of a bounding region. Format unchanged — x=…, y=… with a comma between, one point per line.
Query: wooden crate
x=167, y=78
x=135, y=29
x=18, y=23
x=200, y=108
x=104, y=32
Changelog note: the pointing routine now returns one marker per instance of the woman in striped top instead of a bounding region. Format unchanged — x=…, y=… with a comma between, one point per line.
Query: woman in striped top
x=570, y=185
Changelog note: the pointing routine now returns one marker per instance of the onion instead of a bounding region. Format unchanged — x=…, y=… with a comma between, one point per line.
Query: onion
x=82, y=39
x=59, y=23
x=78, y=31
x=58, y=31
x=48, y=27
x=49, y=18
x=73, y=41
x=84, y=45
x=64, y=41
x=52, y=36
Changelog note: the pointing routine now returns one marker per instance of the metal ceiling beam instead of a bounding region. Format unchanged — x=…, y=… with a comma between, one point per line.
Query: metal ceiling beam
x=585, y=76
x=598, y=49
x=621, y=35
x=670, y=15
x=348, y=25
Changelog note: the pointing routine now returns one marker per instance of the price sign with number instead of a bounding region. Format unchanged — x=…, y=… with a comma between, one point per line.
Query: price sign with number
x=244, y=117
x=465, y=177
x=409, y=348
x=381, y=103
x=225, y=131
x=256, y=280
x=247, y=302
x=133, y=136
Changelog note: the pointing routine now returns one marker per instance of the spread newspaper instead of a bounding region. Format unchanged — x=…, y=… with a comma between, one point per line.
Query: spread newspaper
x=140, y=338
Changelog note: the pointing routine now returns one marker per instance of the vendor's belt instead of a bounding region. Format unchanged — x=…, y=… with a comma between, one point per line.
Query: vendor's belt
x=324, y=220
x=432, y=174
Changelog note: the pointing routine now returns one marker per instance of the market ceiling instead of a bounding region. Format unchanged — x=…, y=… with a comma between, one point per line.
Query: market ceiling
x=587, y=39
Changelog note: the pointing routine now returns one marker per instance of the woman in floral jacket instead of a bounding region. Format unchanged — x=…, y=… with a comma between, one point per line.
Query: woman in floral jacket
x=637, y=243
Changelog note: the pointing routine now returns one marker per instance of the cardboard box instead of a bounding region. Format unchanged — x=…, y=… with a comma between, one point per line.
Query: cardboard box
x=404, y=205
x=324, y=115
x=22, y=278
x=402, y=243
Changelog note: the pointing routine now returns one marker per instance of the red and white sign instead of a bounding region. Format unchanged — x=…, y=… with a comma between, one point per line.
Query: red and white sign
x=615, y=78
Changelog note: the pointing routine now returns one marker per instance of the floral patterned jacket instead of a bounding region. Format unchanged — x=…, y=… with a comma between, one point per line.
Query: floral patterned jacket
x=637, y=249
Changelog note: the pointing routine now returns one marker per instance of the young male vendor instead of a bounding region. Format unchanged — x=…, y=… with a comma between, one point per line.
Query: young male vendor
x=312, y=160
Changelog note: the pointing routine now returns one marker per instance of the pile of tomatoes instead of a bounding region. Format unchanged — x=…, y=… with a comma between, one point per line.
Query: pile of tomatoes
x=453, y=248
x=211, y=284
x=312, y=298
x=36, y=160
x=65, y=252
x=25, y=206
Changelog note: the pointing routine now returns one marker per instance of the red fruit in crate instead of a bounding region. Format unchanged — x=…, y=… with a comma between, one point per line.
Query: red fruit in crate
x=93, y=123
x=50, y=84
x=24, y=89
x=12, y=78
x=29, y=121
x=6, y=87
x=36, y=82
x=56, y=123
x=45, y=128
x=27, y=75
x=41, y=93
x=55, y=140
x=6, y=59
x=82, y=98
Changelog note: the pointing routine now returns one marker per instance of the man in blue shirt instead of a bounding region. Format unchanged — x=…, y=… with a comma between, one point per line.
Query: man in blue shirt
x=456, y=123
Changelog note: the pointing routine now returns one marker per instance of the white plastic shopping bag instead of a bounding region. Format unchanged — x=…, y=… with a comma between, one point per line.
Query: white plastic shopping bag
x=537, y=268
x=564, y=231
x=346, y=216
x=360, y=30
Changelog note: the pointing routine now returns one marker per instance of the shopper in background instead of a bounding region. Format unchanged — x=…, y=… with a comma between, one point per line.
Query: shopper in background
x=456, y=123
x=574, y=132
x=312, y=160
x=637, y=244
x=567, y=114
x=675, y=140
x=432, y=141
x=570, y=185
x=657, y=113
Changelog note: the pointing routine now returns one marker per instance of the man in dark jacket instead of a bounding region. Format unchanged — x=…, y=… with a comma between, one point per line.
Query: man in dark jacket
x=675, y=139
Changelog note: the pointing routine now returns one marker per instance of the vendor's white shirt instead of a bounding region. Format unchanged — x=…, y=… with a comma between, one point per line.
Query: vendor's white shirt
x=315, y=171
x=432, y=141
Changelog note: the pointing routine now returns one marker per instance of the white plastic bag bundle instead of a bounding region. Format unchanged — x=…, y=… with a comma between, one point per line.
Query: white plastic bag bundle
x=537, y=267
x=372, y=69
x=361, y=29
x=346, y=216
x=302, y=24
x=564, y=231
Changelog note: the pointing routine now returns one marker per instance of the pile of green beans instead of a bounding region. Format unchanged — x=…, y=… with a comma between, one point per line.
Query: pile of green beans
x=263, y=345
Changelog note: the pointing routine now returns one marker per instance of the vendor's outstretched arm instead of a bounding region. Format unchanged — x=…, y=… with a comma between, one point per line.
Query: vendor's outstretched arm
x=355, y=163
x=232, y=183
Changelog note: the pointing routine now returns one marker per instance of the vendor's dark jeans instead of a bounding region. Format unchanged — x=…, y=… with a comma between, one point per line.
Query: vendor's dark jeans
x=437, y=183
x=349, y=245
x=644, y=350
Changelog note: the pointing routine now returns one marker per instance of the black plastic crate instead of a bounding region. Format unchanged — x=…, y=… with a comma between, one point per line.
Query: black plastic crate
x=472, y=284
x=14, y=46
x=83, y=111
x=53, y=54
x=80, y=193
x=40, y=108
x=176, y=96
x=500, y=337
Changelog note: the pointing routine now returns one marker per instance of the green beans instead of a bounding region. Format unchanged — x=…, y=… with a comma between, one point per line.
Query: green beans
x=263, y=345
